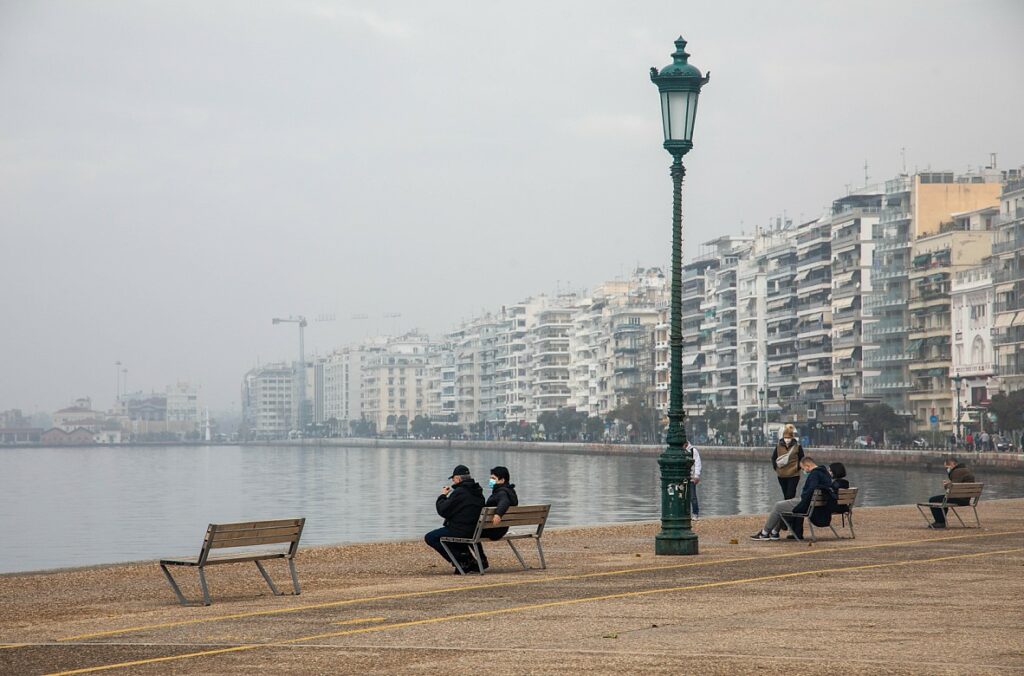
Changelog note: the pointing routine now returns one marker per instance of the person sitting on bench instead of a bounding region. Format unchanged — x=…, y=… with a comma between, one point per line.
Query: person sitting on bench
x=815, y=477
x=460, y=505
x=503, y=496
x=958, y=474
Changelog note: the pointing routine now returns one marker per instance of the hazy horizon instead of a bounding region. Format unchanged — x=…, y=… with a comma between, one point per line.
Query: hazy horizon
x=173, y=176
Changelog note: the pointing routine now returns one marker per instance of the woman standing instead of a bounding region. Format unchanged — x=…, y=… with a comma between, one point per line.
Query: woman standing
x=786, y=460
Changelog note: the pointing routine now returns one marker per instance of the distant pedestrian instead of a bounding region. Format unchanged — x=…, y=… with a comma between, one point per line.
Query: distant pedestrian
x=694, y=480
x=460, y=505
x=970, y=441
x=786, y=461
x=503, y=495
x=958, y=474
x=986, y=441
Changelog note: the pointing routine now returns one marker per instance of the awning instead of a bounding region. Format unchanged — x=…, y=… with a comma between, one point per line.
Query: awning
x=776, y=369
x=1018, y=320
x=846, y=353
x=922, y=259
x=800, y=276
x=940, y=277
x=690, y=359
x=844, y=303
x=1005, y=287
x=777, y=304
x=938, y=373
x=1004, y=320
x=843, y=328
x=843, y=277
x=811, y=319
x=915, y=345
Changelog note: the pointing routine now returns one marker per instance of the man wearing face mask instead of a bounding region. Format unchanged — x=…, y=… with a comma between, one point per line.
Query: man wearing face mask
x=503, y=495
x=460, y=505
x=958, y=474
x=815, y=477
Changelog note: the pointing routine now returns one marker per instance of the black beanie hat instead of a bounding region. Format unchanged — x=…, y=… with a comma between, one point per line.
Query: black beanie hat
x=460, y=470
x=501, y=473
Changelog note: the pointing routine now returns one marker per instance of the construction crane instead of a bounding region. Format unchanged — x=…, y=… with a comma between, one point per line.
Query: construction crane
x=301, y=321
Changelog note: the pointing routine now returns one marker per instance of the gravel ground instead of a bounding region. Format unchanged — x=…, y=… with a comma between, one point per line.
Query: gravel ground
x=605, y=604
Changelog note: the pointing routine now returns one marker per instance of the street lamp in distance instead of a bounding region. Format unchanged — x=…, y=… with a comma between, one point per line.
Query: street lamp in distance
x=846, y=408
x=679, y=85
x=958, y=380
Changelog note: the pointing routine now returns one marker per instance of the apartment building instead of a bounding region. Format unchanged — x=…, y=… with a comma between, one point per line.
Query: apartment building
x=269, y=401
x=972, y=300
x=394, y=383
x=813, y=282
x=913, y=208
x=780, y=323
x=1007, y=265
x=550, y=359
x=853, y=221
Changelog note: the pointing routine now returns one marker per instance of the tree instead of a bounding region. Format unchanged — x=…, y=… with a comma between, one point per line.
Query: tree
x=594, y=428
x=722, y=420
x=1009, y=410
x=878, y=420
x=635, y=413
x=421, y=427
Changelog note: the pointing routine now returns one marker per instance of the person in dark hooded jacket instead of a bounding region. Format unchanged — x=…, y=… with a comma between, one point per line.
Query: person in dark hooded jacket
x=503, y=496
x=459, y=505
x=815, y=477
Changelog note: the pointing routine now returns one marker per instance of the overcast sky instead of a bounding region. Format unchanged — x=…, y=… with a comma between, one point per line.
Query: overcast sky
x=174, y=174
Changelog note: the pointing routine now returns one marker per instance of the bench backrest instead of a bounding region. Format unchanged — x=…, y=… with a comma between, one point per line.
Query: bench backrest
x=969, y=491
x=523, y=515
x=253, y=534
x=846, y=496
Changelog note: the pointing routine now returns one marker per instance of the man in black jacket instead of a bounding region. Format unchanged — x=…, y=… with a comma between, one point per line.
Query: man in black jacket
x=460, y=505
x=815, y=477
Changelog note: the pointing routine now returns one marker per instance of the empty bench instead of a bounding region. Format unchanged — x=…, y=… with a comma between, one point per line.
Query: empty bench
x=966, y=495
x=844, y=497
x=533, y=516
x=247, y=535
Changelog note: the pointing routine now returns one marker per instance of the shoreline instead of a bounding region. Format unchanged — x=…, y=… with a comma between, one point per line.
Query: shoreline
x=1011, y=463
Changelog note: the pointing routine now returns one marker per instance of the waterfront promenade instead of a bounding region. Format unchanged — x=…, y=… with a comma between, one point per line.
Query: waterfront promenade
x=880, y=604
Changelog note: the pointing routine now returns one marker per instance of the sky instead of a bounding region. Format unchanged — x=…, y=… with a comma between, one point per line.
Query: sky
x=174, y=175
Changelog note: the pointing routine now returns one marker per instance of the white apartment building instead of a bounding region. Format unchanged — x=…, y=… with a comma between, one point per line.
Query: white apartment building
x=780, y=323
x=550, y=358
x=394, y=383
x=269, y=406
x=813, y=282
x=342, y=378
x=972, y=299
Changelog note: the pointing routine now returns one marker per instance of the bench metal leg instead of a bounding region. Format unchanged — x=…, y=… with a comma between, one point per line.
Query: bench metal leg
x=202, y=584
x=474, y=549
x=263, y=572
x=976, y=519
x=957, y=515
x=451, y=557
x=540, y=553
x=519, y=556
x=853, y=535
x=295, y=577
x=927, y=517
x=174, y=585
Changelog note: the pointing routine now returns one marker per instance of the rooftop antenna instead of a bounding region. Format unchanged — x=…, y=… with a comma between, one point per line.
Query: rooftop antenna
x=992, y=160
x=903, y=158
x=866, y=177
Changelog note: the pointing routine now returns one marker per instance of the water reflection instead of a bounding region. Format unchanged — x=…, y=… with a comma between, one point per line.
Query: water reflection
x=70, y=507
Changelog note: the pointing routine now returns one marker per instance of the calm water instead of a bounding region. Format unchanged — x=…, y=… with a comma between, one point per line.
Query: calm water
x=72, y=507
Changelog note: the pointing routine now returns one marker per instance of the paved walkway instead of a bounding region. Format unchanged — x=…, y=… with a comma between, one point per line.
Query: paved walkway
x=605, y=604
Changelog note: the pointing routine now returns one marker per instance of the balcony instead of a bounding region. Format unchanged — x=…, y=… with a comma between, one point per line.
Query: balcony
x=894, y=216
x=1011, y=275
x=1010, y=245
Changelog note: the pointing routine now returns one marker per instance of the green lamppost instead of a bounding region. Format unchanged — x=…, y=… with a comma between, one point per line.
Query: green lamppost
x=679, y=84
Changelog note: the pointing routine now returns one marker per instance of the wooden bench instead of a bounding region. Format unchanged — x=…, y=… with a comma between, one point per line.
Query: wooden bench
x=954, y=491
x=523, y=515
x=250, y=535
x=845, y=496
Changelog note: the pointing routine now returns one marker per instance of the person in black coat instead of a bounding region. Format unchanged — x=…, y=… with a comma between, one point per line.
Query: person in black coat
x=839, y=480
x=459, y=505
x=503, y=496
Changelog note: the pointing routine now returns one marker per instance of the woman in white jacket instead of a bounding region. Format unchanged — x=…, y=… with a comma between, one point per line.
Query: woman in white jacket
x=694, y=480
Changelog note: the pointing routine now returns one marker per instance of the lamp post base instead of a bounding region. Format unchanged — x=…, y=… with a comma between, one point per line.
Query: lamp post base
x=675, y=545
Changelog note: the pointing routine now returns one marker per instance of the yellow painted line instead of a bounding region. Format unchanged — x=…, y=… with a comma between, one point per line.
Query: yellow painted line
x=362, y=620
x=12, y=645
x=517, y=583
x=534, y=606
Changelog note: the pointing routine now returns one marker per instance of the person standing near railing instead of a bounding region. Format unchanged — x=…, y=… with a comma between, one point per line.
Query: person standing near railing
x=786, y=460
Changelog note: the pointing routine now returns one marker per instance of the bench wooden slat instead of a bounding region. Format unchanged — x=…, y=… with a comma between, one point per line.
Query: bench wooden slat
x=964, y=490
x=252, y=541
x=249, y=525
x=227, y=536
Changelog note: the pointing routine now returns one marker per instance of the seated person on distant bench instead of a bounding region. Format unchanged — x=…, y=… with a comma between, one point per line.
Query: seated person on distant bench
x=815, y=477
x=503, y=496
x=839, y=480
x=958, y=474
